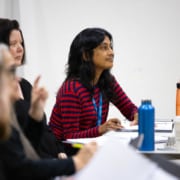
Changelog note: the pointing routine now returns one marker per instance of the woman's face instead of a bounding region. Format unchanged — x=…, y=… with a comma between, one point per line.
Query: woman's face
x=8, y=86
x=103, y=55
x=5, y=106
x=15, y=46
x=11, y=80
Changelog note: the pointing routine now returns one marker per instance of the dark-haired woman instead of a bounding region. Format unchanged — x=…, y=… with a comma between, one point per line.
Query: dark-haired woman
x=82, y=102
x=41, y=138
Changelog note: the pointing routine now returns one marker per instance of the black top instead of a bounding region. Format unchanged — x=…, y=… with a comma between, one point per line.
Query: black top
x=13, y=161
x=42, y=139
x=2, y=174
x=17, y=166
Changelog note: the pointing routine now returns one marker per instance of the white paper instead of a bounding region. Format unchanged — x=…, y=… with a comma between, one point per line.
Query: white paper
x=118, y=161
x=122, y=137
x=160, y=126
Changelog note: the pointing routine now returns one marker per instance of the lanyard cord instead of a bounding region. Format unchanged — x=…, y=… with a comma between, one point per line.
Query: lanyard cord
x=98, y=109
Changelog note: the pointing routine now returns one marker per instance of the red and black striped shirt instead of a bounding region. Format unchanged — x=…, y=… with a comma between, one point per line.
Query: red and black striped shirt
x=74, y=115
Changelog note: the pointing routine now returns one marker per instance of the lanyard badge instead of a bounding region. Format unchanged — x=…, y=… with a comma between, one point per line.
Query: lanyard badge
x=98, y=109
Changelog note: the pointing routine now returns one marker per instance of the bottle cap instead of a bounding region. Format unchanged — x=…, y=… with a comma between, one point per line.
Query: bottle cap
x=145, y=101
x=178, y=85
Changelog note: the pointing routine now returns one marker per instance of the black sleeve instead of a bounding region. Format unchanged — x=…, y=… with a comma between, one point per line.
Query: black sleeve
x=17, y=166
x=31, y=128
x=40, y=136
x=21, y=109
x=2, y=175
x=49, y=146
x=34, y=131
x=22, y=106
x=26, y=88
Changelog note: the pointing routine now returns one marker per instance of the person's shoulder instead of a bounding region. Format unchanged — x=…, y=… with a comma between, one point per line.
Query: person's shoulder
x=26, y=88
x=25, y=82
x=2, y=172
x=113, y=78
x=114, y=82
x=73, y=85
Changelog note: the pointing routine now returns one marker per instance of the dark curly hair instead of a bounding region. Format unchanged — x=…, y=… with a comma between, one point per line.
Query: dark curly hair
x=6, y=27
x=84, y=70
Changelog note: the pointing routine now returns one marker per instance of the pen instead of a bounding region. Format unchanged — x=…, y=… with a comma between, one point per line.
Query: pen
x=77, y=145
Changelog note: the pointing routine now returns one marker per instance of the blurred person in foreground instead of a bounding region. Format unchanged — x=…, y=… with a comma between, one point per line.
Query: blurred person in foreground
x=18, y=158
x=41, y=138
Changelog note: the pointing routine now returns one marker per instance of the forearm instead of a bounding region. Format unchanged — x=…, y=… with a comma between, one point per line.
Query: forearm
x=34, y=131
x=89, y=133
x=123, y=102
x=41, y=169
x=128, y=109
x=46, y=168
x=12, y=154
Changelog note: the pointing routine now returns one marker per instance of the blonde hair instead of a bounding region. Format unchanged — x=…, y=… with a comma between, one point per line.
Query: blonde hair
x=3, y=47
x=5, y=129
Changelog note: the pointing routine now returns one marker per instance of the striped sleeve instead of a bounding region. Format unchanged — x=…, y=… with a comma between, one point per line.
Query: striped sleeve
x=66, y=114
x=123, y=102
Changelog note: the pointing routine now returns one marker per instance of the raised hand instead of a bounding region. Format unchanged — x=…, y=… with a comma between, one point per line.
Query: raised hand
x=39, y=96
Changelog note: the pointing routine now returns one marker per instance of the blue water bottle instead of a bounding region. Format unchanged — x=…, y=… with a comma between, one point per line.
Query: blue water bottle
x=146, y=116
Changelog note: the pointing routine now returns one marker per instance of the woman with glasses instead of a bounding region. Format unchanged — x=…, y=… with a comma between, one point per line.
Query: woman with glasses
x=82, y=102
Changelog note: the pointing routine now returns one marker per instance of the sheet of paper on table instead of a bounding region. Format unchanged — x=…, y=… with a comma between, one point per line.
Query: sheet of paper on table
x=118, y=161
x=118, y=137
x=160, y=126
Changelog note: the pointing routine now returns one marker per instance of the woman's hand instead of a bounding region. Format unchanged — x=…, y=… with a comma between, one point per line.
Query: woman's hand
x=39, y=96
x=111, y=124
x=135, y=121
x=62, y=155
x=84, y=155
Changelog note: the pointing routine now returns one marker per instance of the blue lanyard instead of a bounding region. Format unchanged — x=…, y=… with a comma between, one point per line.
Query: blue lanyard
x=98, y=109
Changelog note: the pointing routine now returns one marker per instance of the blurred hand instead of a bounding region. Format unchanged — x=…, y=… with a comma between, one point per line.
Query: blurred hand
x=6, y=94
x=135, y=121
x=84, y=155
x=39, y=96
x=111, y=124
x=5, y=118
x=62, y=156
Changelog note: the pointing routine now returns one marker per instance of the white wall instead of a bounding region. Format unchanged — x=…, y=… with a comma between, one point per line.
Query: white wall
x=146, y=42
